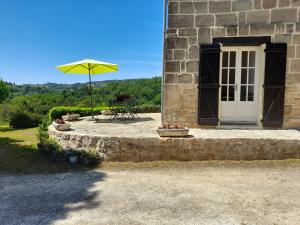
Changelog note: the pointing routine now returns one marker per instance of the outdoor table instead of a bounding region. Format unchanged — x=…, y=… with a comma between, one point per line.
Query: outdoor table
x=124, y=110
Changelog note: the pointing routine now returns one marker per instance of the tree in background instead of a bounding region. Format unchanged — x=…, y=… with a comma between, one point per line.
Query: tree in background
x=31, y=102
x=4, y=91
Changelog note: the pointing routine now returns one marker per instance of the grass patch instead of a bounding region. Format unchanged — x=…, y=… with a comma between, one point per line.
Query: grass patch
x=3, y=123
x=19, y=153
x=3, y=126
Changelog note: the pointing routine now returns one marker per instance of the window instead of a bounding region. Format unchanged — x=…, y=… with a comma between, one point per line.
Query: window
x=247, y=75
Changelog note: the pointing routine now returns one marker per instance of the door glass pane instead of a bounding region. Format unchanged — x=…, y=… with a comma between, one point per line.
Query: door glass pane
x=251, y=76
x=232, y=59
x=224, y=93
x=225, y=59
x=224, y=76
x=232, y=76
x=231, y=93
x=250, y=93
x=244, y=76
x=244, y=59
x=252, y=59
x=243, y=93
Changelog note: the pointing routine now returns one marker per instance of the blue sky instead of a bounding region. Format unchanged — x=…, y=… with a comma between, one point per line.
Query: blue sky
x=37, y=35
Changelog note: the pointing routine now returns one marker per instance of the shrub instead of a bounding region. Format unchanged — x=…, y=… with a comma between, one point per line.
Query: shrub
x=90, y=158
x=48, y=146
x=19, y=119
x=58, y=112
x=4, y=91
x=4, y=112
x=43, y=135
x=149, y=109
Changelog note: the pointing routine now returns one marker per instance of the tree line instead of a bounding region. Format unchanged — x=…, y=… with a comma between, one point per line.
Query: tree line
x=36, y=100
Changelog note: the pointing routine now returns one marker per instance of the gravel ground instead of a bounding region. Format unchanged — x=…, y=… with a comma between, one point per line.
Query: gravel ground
x=187, y=194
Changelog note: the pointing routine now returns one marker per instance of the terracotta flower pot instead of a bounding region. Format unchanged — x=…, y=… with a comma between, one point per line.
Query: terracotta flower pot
x=61, y=127
x=71, y=117
x=180, y=132
x=106, y=112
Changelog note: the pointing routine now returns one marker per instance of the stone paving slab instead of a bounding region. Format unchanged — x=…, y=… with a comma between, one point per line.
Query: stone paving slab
x=146, y=127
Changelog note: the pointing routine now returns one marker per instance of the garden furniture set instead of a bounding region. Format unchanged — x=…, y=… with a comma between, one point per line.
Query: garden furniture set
x=123, y=108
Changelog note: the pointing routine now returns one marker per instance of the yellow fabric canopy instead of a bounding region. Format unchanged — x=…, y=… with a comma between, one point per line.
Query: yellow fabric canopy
x=88, y=66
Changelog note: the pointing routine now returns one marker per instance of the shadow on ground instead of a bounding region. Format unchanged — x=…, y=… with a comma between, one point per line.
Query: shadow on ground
x=34, y=190
x=46, y=199
x=143, y=119
x=5, y=129
x=15, y=157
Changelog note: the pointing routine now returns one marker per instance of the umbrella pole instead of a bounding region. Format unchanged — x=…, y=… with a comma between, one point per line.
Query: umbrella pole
x=91, y=93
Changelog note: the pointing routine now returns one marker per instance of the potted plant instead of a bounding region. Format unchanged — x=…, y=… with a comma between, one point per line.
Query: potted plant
x=169, y=130
x=106, y=112
x=61, y=125
x=71, y=117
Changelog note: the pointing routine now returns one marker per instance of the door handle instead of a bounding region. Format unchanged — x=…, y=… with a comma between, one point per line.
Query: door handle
x=236, y=87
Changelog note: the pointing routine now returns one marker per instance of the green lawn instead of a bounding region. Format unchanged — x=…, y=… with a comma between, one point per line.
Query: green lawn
x=3, y=124
x=19, y=154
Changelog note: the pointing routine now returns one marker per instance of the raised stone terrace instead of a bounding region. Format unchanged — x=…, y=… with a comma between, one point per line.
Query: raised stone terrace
x=138, y=141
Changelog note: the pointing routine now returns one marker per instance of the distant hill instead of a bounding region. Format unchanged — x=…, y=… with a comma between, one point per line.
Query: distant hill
x=32, y=89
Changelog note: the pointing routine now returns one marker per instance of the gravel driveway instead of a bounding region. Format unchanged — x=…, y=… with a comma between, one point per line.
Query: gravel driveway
x=187, y=195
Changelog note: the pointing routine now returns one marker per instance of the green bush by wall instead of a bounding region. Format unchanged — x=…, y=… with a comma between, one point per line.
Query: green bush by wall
x=18, y=119
x=58, y=112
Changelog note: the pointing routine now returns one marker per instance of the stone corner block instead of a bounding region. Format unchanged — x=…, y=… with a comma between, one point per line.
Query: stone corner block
x=268, y=4
x=262, y=16
x=185, y=79
x=172, y=66
x=226, y=19
x=181, y=21
x=219, y=6
x=284, y=15
x=204, y=20
x=242, y=5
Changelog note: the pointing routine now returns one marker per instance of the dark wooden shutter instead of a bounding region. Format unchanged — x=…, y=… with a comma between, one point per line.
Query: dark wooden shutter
x=209, y=84
x=274, y=84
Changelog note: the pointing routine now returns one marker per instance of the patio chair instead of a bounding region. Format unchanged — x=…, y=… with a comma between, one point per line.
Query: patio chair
x=113, y=106
x=131, y=109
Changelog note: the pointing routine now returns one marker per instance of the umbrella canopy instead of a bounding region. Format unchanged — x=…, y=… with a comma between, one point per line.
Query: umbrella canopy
x=90, y=67
x=87, y=66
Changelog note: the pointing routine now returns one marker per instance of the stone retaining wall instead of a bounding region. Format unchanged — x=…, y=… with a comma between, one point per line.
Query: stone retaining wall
x=183, y=149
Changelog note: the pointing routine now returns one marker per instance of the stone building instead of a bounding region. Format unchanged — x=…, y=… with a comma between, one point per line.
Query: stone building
x=229, y=62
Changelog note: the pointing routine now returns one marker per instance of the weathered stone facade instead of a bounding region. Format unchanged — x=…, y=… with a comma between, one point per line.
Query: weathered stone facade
x=194, y=22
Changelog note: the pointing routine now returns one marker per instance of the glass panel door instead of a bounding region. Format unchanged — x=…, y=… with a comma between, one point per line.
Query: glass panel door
x=228, y=76
x=247, y=76
x=239, y=84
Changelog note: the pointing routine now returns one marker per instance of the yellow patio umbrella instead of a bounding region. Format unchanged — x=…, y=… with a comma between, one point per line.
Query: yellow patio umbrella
x=90, y=67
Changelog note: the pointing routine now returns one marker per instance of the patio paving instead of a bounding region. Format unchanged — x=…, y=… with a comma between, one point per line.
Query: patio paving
x=148, y=123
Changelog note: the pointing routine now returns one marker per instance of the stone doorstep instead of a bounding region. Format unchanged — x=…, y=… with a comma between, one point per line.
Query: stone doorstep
x=209, y=147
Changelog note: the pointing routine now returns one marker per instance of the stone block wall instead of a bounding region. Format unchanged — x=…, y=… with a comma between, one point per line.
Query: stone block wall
x=195, y=22
x=125, y=149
